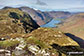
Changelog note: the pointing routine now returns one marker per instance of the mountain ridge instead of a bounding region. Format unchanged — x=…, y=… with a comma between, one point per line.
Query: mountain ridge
x=13, y=19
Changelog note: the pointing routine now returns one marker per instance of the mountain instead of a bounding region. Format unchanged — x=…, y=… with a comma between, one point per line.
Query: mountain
x=74, y=25
x=52, y=36
x=7, y=7
x=40, y=42
x=43, y=17
x=20, y=35
x=76, y=9
x=58, y=18
x=59, y=14
x=38, y=16
x=15, y=21
x=52, y=41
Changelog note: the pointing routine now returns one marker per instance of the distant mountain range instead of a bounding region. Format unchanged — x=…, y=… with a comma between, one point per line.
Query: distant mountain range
x=59, y=14
x=38, y=16
x=43, y=17
x=78, y=9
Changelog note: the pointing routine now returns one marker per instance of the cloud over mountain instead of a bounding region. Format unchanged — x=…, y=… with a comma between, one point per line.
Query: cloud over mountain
x=40, y=3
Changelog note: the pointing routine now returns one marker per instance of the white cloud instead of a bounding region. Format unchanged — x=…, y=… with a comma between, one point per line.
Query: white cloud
x=40, y=3
x=44, y=4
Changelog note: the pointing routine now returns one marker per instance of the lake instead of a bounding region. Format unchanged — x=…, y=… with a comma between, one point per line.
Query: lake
x=52, y=23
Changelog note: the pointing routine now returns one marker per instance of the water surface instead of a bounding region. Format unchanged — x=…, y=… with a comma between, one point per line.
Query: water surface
x=52, y=23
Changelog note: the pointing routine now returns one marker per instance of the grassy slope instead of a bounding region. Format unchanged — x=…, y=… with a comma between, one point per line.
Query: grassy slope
x=74, y=25
x=51, y=36
x=47, y=37
x=15, y=21
x=50, y=39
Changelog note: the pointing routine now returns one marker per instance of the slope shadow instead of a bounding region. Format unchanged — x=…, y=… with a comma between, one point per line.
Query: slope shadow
x=77, y=39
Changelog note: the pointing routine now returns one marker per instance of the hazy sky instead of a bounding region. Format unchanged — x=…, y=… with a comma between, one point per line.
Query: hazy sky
x=45, y=4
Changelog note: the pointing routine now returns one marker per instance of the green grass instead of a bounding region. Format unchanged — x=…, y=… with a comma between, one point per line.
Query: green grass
x=33, y=40
x=8, y=43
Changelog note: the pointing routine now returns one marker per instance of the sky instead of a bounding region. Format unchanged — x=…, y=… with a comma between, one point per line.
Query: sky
x=44, y=5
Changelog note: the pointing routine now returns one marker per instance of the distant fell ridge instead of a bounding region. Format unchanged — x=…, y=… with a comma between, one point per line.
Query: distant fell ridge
x=59, y=14
x=37, y=15
x=43, y=17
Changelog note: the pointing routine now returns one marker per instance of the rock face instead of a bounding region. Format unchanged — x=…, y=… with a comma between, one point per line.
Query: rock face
x=16, y=21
